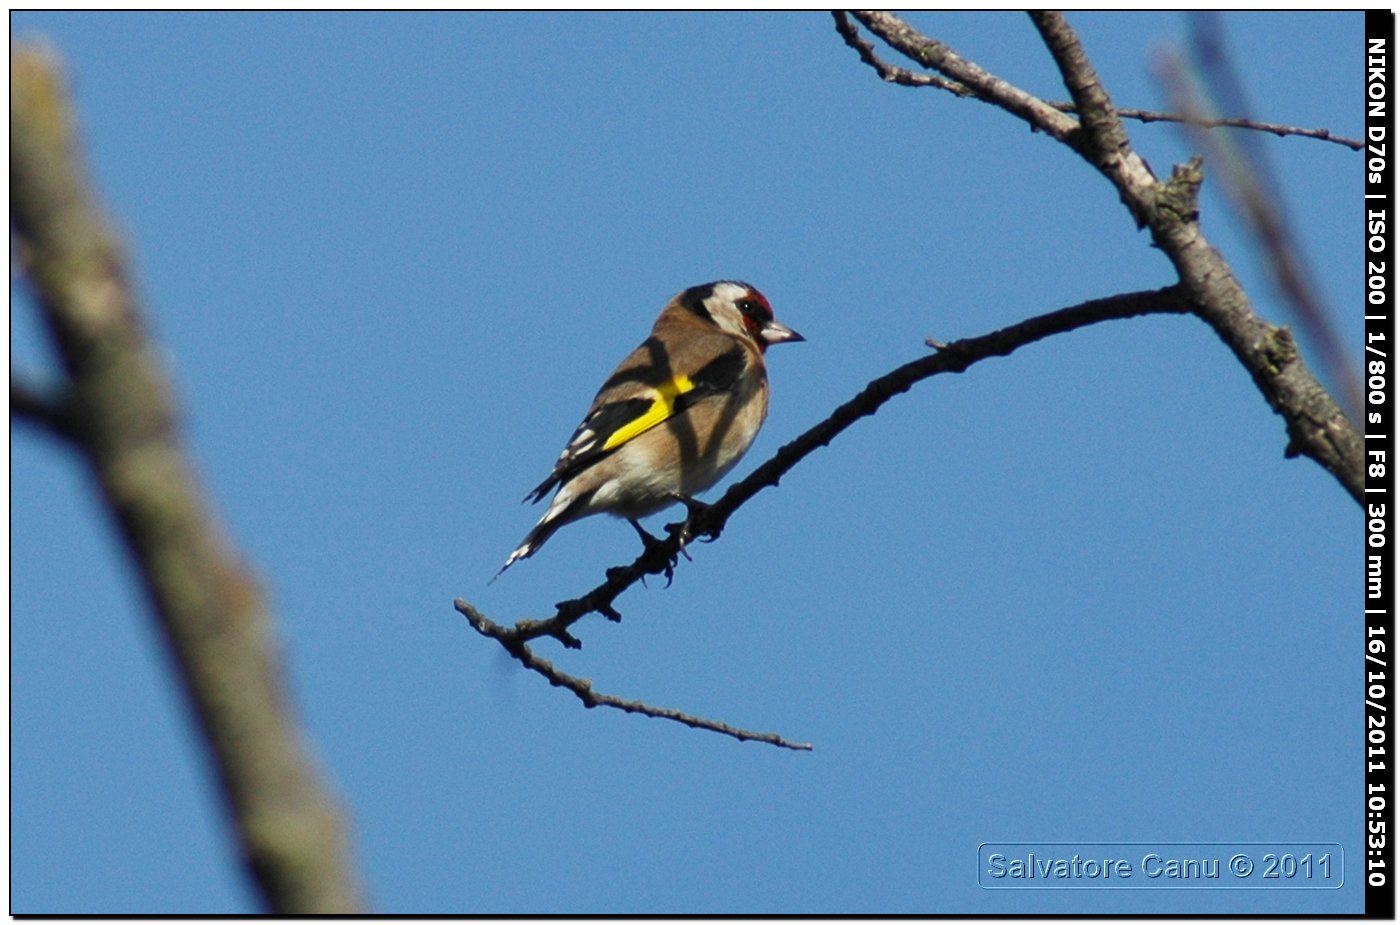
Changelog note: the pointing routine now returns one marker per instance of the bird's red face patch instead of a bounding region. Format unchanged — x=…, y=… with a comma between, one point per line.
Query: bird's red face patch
x=757, y=313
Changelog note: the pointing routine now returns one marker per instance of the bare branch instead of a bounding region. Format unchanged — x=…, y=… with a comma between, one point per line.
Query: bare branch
x=1104, y=141
x=207, y=603
x=1202, y=122
x=1317, y=427
x=986, y=86
x=906, y=78
x=953, y=357
x=583, y=688
x=889, y=72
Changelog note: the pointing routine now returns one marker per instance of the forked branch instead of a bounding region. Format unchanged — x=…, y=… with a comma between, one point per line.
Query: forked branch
x=904, y=77
x=1316, y=425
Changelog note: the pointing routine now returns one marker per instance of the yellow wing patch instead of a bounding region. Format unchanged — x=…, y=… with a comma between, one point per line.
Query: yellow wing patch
x=663, y=406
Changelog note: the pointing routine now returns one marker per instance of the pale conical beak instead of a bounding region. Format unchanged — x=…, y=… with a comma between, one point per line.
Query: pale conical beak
x=774, y=332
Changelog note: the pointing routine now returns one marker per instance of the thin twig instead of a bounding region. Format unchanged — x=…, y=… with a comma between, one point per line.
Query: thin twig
x=583, y=688
x=889, y=72
x=1195, y=121
x=904, y=77
x=980, y=83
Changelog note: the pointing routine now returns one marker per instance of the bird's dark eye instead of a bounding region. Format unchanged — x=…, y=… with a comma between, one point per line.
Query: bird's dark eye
x=751, y=308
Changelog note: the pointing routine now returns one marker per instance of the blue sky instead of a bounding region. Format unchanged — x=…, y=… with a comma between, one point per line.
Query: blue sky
x=1077, y=595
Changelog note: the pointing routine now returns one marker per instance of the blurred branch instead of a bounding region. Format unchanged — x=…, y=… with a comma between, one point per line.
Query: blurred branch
x=1317, y=427
x=906, y=78
x=1249, y=183
x=953, y=357
x=49, y=413
x=120, y=414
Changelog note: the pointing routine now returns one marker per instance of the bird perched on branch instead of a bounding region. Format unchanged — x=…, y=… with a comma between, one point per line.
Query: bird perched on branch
x=672, y=419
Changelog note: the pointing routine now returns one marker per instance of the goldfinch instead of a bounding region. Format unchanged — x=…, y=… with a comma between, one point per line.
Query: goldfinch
x=673, y=418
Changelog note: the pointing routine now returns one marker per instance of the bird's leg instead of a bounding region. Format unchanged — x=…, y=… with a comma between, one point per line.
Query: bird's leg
x=658, y=546
x=649, y=541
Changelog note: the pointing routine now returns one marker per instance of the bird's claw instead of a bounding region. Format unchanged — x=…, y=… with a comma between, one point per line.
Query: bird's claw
x=681, y=530
x=659, y=547
x=694, y=510
x=681, y=533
